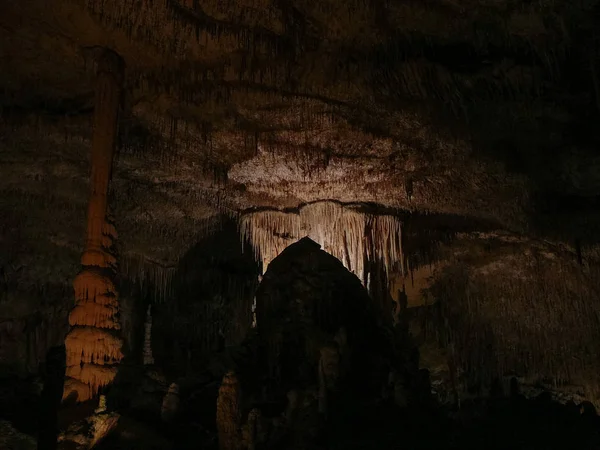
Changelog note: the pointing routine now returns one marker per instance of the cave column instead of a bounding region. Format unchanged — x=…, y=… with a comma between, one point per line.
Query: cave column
x=94, y=344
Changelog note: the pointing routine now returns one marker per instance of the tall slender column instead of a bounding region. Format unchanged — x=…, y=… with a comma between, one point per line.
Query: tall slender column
x=93, y=343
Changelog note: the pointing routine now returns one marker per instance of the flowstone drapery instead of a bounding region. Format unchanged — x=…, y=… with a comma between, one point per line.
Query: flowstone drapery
x=93, y=344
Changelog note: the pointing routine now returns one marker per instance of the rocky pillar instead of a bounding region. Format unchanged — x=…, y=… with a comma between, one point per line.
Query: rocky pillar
x=93, y=343
x=229, y=414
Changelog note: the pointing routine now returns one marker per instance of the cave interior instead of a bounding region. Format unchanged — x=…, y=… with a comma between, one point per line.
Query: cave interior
x=299, y=224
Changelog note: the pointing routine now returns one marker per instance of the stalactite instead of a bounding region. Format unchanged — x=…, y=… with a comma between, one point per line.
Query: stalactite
x=340, y=230
x=93, y=347
x=144, y=273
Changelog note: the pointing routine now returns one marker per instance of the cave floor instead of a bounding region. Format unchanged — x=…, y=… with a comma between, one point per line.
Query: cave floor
x=506, y=425
x=502, y=424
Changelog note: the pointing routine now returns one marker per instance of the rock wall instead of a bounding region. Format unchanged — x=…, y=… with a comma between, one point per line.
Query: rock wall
x=502, y=308
x=211, y=304
x=306, y=299
x=31, y=322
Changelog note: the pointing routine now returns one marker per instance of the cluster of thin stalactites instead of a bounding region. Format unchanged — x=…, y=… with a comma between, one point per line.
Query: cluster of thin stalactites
x=352, y=236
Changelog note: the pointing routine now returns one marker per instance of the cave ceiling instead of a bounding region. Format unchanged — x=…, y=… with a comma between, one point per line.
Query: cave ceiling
x=486, y=110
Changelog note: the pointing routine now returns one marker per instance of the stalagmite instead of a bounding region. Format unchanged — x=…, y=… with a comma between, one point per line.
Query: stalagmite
x=229, y=413
x=93, y=345
x=148, y=357
x=170, y=404
x=101, y=405
x=252, y=430
x=341, y=339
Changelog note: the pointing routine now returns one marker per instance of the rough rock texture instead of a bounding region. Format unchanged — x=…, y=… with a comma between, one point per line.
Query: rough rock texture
x=92, y=431
x=483, y=111
x=210, y=303
x=355, y=237
x=170, y=404
x=521, y=308
x=12, y=439
x=94, y=347
x=148, y=359
x=31, y=322
x=305, y=299
x=229, y=413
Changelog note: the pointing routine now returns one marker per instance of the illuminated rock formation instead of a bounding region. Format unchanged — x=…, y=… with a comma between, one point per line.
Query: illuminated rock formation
x=252, y=432
x=229, y=416
x=347, y=233
x=93, y=345
x=101, y=405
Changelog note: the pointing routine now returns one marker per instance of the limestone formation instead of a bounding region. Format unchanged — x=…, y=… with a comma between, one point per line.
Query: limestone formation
x=306, y=298
x=229, y=414
x=93, y=344
x=293, y=398
x=148, y=357
x=323, y=397
x=382, y=130
x=398, y=390
x=101, y=405
x=330, y=365
x=170, y=404
x=344, y=351
x=10, y=438
x=252, y=432
x=88, y=433
x=347, y=233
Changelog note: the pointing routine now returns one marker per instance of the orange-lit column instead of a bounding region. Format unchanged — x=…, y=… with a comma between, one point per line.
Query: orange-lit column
x=93, y=343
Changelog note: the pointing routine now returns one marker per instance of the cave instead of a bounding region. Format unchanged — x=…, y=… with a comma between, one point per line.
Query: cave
x=294, y=224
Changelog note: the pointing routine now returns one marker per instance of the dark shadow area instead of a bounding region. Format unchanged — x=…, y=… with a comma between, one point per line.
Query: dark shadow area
x=306, y=299
x=503, y=423
x=19, y=400
x=212, y=306
x=54, y=378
